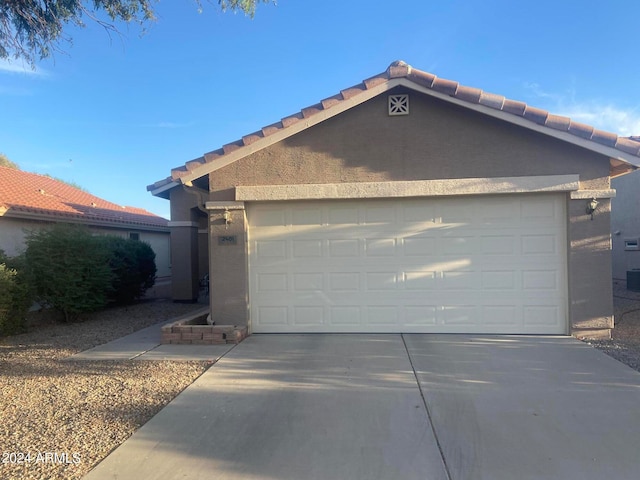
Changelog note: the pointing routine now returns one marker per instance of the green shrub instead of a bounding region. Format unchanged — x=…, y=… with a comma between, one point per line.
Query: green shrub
x=68, y=269
x=15, y=298
x=133, y=265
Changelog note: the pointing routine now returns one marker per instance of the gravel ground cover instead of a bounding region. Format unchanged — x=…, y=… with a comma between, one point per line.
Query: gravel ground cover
x=59, y=418
x=625, y=343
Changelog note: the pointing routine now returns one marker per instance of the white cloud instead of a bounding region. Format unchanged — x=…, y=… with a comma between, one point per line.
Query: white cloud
x=7, y=66
x=609, y=117
x=603, y=115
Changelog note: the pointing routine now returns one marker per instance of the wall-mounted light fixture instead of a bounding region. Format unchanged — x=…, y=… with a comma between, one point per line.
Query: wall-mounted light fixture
x=227, y=217
x=591, y=207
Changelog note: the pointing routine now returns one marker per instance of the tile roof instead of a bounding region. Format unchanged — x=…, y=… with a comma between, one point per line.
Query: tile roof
x=627, y=146
x=24, y=194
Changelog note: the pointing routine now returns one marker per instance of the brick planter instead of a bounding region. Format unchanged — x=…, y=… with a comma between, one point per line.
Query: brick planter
x=191, y=331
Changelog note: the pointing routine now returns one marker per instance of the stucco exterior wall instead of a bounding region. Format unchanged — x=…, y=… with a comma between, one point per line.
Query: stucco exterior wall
x=590, y=288
x=189, y=249
x=228, y=260
x=13, y=232
x=625, y=223
x=436, y=141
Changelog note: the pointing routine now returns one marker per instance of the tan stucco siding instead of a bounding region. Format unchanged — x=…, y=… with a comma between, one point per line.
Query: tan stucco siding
x=435, y=141
x=590, y=288
x=229, y=284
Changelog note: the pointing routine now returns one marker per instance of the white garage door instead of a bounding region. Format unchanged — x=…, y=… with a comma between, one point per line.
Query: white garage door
x=485, y=264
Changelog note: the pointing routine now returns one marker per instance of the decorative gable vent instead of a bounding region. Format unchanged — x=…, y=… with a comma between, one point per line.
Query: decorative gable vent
x=399, y=104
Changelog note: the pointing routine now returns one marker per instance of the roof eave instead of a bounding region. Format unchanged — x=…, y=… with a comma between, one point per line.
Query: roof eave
x=163, y=191
x=70, y=218
x=197, y=171
x=284, y=133
x=528, y=124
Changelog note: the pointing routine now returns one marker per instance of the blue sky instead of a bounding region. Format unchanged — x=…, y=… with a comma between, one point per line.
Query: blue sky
x=116, y=113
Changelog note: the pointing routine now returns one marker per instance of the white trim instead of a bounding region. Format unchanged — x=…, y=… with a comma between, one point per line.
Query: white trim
x=589, y=194
x=164, y=188
x=183, y=224
x=286, y=132
x=417, y=188
x=224, y=205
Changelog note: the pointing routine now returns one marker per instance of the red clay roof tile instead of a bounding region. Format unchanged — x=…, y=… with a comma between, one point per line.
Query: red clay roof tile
x=629, y=145
x=425, y=79
x=491, y=100
x=399, y=69
x=469, y=95
x=232, y=147
x=581, y=129
x=252, y=137
x=213, y=155
x=353, y=91
x=30, y=193
x=448, y=87
x=375, y=81
x=327, y=103
x=535, y=115
x=195, y=163
x=558, y=122
x=312, y=110
x=606, y=138
x=291, y=119
x=514, y=107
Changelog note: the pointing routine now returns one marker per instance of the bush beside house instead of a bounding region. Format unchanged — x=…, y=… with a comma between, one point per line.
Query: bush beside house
x=15, y=296
x=69, y=269
x=133, y=266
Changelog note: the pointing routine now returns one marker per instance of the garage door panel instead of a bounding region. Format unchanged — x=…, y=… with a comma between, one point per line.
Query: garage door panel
x=498, y=245
x=420, y=316
x=501, y=316
x=345, y=316
x=492, y=265
x=498, y=280
x=419, y=280
x=272, y=316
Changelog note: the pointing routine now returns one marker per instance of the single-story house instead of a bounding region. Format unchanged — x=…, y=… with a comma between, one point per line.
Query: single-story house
x=625, y=225
x=29, y=201
x=405, y=203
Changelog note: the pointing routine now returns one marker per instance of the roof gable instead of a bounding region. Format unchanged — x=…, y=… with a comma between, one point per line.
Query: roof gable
x=624, y=153
x=25, y=194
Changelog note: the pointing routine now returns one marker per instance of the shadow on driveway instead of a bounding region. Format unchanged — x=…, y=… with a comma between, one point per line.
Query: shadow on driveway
x=349, y=407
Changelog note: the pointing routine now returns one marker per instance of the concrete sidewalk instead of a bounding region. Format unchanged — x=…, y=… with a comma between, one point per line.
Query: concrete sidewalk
x=145, y=345
x=378, y=407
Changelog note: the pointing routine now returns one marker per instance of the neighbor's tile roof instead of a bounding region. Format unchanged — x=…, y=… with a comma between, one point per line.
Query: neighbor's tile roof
x=399, y=69
x=25, y=194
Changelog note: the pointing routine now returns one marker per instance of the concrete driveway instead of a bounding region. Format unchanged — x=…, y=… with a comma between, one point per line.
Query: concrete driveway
x=351, y=407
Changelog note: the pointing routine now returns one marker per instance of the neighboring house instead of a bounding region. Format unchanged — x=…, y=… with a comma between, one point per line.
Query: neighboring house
x=406, y=203
x=29, y=201
x=625, y=224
